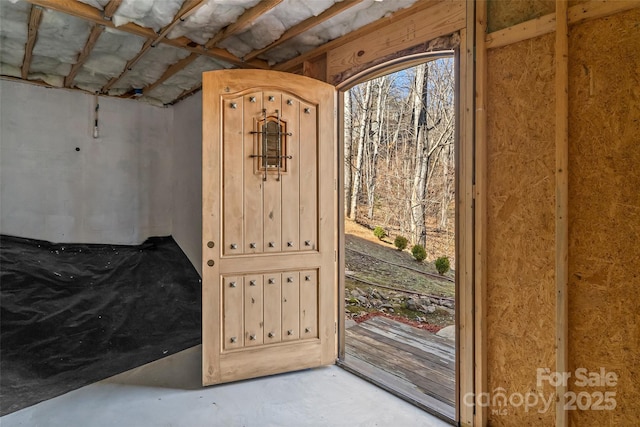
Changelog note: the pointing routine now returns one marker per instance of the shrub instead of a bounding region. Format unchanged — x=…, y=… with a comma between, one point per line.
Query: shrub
x=379, y=233
x=400, y=242
x=442, y=264
x=419, y=253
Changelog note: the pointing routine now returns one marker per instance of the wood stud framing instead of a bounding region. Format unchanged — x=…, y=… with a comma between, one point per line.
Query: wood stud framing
x=480, y=193
x=562, y=202
x=547, y=24
x=34, y=22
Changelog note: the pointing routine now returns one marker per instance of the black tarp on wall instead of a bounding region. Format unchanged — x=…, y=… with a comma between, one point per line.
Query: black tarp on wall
x=73, y=314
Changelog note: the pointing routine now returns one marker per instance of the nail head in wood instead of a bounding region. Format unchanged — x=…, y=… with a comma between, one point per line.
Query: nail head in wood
x=234, y=105
x=290, y=332
x=307, y=330
x=307, y=242
x=271, y=335
x=272, y=98
x=232, y=284
x=289, y=101
x=272, y=281
x=210, y=244
x=289, y=279
x=233, y=246
x=210, y=263
x=252, y=99
x=252, y=337
x=290, y=244
x=233, y=339
x=307, y=278
x=307, y=110
x=272, y=245
x=252, y=245
x=252, y=282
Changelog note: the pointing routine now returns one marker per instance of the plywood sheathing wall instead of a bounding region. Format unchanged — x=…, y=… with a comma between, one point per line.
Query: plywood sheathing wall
x=520, y=224
x=604, y=213
x=604, y=210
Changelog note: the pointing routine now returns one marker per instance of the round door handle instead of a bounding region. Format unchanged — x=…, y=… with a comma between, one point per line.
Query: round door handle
x=210, y=263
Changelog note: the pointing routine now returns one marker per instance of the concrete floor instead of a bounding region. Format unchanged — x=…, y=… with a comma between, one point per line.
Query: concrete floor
x=168, y=393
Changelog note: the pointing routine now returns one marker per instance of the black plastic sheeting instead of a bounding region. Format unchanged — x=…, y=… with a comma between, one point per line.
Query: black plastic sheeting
x=73, y=314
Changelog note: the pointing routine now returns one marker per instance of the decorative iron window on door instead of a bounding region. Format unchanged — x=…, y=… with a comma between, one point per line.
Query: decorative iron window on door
x=272, y=145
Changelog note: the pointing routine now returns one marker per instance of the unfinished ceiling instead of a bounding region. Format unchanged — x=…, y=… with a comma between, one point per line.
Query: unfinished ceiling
x=156, y=50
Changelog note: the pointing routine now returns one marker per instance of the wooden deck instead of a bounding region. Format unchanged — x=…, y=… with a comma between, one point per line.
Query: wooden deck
x=410, y=362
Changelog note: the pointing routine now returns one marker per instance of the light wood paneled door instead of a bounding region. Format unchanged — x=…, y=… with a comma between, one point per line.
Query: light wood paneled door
x=269, y=224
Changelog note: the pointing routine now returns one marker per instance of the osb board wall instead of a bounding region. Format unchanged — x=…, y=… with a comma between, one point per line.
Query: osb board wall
x=505, y=13
x=604, y=211
x=521, y=228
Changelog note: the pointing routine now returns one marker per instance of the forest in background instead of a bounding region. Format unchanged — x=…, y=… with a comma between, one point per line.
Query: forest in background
x=399, y=155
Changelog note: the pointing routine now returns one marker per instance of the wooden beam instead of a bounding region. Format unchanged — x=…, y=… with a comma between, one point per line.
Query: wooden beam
x=305, y=25
x=441, y=19
x=189, y=7
x=480, y=244
x=244, y=21
x=295, y=63
x=547, y=24
x=524, y=31
x=562, y=202
x=316, y=69
x=110, y=9
x=35, y=17
x=599, y=9
x=173, y=69
x=187, y=93
x=90, y=13
x=86, y=51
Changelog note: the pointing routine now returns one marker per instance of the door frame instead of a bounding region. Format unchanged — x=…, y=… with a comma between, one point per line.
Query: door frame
x=464, y=213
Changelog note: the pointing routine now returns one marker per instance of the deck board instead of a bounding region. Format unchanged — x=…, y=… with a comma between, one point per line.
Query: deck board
x=412, y=362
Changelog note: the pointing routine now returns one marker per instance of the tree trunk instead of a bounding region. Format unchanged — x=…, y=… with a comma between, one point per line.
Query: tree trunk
x=348, y=143
x=362, y=137
x=371, y=191
x=418, y=211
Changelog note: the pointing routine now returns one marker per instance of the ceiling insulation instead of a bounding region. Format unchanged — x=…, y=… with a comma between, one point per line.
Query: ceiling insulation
x=155, y=49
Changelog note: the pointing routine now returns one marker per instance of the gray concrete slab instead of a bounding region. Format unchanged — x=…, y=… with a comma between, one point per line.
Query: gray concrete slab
x=168, y=393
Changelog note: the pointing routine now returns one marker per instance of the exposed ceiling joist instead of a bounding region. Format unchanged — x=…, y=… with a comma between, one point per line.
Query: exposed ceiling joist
x=294, y=63
x=243, y=22
x=90, y=13
x=187, y=93
x=34, y=22
x=305, y=25
x=86, y=51
x=189, y=7
x=173, y=69
x=110, y=9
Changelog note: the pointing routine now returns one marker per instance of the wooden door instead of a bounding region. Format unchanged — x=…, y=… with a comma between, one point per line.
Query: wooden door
x=269, y=224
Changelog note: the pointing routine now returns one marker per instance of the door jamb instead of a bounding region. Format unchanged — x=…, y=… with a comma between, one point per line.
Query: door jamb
x=464, y=210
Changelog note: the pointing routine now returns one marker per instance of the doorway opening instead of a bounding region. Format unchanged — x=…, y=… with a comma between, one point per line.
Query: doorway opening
x=399, y=182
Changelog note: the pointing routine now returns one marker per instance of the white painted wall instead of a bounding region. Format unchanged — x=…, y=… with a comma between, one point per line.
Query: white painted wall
x=187, y=182
x=116, y=189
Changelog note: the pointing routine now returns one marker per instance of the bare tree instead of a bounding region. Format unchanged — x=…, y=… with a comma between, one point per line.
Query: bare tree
x=362, y=138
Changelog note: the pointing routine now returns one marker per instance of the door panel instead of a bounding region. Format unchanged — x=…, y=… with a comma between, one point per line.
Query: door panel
x=269, y=224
